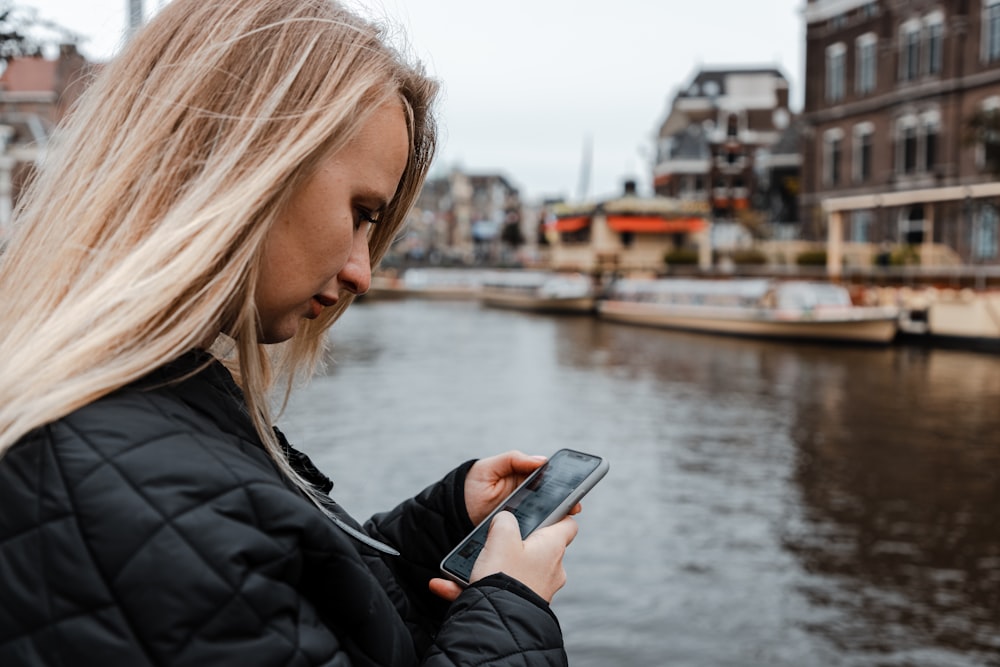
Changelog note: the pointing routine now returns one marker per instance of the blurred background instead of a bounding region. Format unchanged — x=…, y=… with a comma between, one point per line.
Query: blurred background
x=770, y=502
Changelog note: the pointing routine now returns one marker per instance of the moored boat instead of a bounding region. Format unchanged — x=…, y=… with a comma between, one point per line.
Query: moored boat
x=539, y=291
x=764, y=308
x=428, y=283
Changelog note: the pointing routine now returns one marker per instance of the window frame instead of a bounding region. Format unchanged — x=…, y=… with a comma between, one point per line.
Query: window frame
x=929, y=120
x=833, y=152
x=866, y=63
x=861, y=132
x=909, y=50
x=990, y=37
x=904, y=126
x=836, y=72
x=986, y=233
x=934, y=28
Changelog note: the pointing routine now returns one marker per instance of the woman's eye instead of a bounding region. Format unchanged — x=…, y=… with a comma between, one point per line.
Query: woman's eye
x=366, y=216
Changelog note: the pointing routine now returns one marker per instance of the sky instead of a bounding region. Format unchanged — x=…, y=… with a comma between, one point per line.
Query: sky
x=530, y=88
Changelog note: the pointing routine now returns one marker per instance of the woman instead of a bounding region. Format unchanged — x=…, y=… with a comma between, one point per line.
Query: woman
x=221, y=192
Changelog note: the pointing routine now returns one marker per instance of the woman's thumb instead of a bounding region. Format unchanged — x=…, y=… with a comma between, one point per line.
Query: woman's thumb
x=505, y=524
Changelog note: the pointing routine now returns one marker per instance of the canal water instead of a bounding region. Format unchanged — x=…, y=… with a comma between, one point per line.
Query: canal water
x=768, y=504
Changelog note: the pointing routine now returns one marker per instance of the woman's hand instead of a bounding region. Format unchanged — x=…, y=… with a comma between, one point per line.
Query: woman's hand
x=491, y=480
x=535, y=562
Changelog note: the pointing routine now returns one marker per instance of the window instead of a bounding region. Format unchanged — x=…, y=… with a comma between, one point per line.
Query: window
x=835, y=158
x=909, y=149
x=985, y=134
x=909, y=51
x=906, y=145
x=861, y=223
x=931, y=122
x=835, y=63
x=832, y=155
x=862, y=152
x=991, y=30
x=866, y=52
x=934, y=24
x=912, y=224
x=986, y=234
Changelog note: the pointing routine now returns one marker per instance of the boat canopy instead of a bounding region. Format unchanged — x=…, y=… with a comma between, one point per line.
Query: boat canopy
x=784, y=295
x=547, y=281
x=800, y=295
x=748, y=289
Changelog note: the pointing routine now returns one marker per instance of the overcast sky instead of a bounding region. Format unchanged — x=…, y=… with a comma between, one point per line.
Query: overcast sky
x=528, y=84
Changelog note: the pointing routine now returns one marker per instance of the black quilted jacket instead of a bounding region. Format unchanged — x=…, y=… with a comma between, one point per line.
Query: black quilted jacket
x=151, y=528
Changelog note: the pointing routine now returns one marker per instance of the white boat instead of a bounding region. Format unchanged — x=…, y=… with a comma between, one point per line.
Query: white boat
x=539, y=291
x=755, y=307
x=428, y=283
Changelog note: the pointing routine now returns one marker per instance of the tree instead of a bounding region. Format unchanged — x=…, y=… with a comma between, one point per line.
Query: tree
x=23, y=33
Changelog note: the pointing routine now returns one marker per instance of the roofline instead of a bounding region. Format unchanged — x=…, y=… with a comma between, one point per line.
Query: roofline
x=821, y=10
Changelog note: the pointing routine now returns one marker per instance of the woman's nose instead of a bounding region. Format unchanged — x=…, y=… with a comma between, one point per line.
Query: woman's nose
x=356, y=276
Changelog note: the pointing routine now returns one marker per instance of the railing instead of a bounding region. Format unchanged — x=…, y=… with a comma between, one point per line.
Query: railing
x=976, y=277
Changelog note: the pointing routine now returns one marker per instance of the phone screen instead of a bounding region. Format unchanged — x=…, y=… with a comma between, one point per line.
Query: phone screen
x=531, y=504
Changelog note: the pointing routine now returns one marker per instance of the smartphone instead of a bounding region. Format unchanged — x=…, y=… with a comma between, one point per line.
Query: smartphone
x=545, y=497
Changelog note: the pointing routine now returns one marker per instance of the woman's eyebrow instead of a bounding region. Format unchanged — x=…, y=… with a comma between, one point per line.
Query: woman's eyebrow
x=375, y=198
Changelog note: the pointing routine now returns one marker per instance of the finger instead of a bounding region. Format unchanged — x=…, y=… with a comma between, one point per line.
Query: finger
x=563, y=531
x=505, y=526
x=503, y=546
x=443, y=588
x=519, y=462
x=576, y=509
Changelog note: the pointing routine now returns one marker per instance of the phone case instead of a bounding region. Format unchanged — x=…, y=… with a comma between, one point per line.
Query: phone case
x=472, y=543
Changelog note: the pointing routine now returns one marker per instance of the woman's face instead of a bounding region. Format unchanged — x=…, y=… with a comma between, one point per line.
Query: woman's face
x=319, y=245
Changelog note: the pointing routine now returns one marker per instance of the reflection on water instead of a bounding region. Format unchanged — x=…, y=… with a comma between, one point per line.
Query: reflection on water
x=768, y=504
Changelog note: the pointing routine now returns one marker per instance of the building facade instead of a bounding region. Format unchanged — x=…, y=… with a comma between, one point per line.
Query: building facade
x=730, y=141
x=892, y=90
x=464, y=218
x=628, y=234
x=35, y=95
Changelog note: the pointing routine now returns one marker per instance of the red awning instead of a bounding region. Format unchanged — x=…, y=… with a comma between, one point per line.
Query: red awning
x=654, y=225
x=571, y=224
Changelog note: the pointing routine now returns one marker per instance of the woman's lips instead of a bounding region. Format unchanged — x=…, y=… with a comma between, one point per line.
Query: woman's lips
x=318, y=303
x=315, y=308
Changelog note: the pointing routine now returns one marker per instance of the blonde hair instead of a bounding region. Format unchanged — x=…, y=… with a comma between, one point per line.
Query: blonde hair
x=140, y=238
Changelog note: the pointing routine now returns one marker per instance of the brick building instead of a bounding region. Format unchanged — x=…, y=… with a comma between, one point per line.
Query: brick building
x=462, y=217
x=891, y=86
x=35, y=95
x=730, y=141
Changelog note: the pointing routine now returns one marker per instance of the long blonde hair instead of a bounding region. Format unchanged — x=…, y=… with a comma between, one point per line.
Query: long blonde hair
x=141, y=236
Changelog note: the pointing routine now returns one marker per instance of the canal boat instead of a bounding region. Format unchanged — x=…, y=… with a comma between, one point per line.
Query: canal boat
x=428, y=283
x=539, y=291
x=965, y=319
x=766, y=308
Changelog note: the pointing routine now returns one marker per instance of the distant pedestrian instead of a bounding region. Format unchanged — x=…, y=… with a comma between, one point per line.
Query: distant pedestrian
x=213, y=205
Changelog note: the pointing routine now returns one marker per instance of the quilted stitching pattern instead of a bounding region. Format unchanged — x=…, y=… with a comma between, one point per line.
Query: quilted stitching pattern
x=144, y=530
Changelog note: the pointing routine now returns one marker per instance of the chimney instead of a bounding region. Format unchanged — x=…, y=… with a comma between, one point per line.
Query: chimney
x=630, y=188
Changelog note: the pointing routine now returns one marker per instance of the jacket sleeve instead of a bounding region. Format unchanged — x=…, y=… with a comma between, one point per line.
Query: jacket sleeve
x=424, y=528
x=496, y=621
